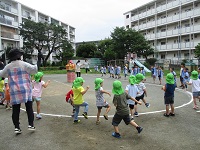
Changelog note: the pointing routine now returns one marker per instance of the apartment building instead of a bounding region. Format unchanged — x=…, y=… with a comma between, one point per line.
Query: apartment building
x=171, y=26
x=12, y=13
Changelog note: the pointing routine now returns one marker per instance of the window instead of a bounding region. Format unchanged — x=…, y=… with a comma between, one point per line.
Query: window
x=187, y=40
x=127, y=26
x=127, y=16
x=162, y=56
x=163, y=30
x=187, y=25
x=174, y=55
x=188, y=10
x=7, y=7
x=163, y=43
x=26, y=13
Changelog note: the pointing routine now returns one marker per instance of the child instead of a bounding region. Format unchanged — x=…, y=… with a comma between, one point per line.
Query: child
x=18, y=73
x=7, y=94
x=78, y=100
x=1, y=91
x=186, y=78
x=142, y=91
x=125, y=71
x=142, y=71
x=195, y=82
x=100, y=100
x=153, y=73
x=131, y=90
x=122, y=111
x=37, y=91
x=69, y=99
x=160, y=74
x=169, y=89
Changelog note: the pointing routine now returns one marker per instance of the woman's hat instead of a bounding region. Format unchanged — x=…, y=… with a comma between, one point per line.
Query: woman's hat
x=15, y=54
x=139, y=77
x=6, y=80
x=194, y=75
x=77, y=82
x=117, y=88
x=97, y=83
x=38, y=76
x=170, y=78
x=132, y=79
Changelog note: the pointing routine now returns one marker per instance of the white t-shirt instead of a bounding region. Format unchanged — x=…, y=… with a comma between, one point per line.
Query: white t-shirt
x=37, y=88
x=195, y=85
x=78, y=67
x=141, y=88
x=86, y=64
x=132, y=91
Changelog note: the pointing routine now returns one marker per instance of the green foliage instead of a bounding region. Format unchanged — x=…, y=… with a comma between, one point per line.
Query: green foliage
x=197, y=51
x=40, y=36
x=151, y=61
x=86, y=50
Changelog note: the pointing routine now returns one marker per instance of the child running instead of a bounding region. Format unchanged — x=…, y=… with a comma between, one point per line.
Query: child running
x=78, y=100
x=169, y=89
x=7, y=94
x=100, y=100
x=195, y=82
x=131, y=90
x=142, y=92
x=37, y=91
x=122, y=111
x=1, y=91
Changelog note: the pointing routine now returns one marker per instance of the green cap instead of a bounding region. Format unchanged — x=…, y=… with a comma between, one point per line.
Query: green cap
x=194, y=75
x=77, y=82
x=139, y=77
x=170, y=78
x=97, y=83
x=132, y=79
x=117, y=88
x=38, y=76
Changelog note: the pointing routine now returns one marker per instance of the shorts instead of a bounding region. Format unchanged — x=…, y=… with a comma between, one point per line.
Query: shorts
x=169, y=100
x=117, y=119
x=139, y=98
x=196, y=94
x=181, y=79
x=105, y=106
x=36, y=99
x=131, y=106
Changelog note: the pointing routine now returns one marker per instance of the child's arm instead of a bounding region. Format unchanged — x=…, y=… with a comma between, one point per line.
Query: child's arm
x=163, y=88
x=46, y=84
x=85, y=90
x=72, y=99
x=133, y=99
x=105, y=92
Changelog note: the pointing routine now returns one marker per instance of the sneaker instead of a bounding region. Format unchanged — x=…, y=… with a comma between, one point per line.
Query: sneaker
x=171, y=114
x=97, y=122
x=38, y=116
x=132, y=118
x=147, y=105
x=85, y=115
x=136, y=114
x=31, y=128
x=18, y=131
x=106, y=116
x=139, y=129
x=116, y=135
x=195, y=107
x=76, y=121
x=166, y=115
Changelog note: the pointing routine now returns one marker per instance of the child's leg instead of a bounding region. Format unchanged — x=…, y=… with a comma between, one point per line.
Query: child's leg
x=133, y=123
x=172, y=108
x=76, y=112
x=98, y=113
x=116, y=128
x=108, y=109
x=167, y=109
x=38, y=107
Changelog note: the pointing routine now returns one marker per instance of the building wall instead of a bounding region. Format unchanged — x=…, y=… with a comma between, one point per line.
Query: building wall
x=12, y=14
x=171, y=26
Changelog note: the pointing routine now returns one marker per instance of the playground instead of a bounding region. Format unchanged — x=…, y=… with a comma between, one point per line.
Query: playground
x=57, y=131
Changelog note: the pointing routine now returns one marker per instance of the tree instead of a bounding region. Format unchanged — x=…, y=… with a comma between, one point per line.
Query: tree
x=86, y=50
x=42, y=37
x=65, y=53
x=128, y=40
x=197, y=51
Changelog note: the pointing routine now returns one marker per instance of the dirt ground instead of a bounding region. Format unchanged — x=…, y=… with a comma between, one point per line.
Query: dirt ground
x=57, y=131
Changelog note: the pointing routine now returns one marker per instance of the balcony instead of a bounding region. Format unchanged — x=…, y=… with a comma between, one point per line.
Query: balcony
x=29, y=16
x=10, y=9
x=8, y=22
x=9, y=35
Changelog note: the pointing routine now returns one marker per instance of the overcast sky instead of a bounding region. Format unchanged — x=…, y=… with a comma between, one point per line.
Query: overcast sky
x=93, y=19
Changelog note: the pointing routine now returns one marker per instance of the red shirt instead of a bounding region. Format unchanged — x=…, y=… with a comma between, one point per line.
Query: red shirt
x=68, y=95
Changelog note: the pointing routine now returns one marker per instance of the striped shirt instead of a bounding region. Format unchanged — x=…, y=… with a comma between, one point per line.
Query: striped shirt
x=19, y=81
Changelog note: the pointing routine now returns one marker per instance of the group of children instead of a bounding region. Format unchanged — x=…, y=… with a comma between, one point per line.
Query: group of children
x=157, y=72
x=134, y=92
x=4, y=92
